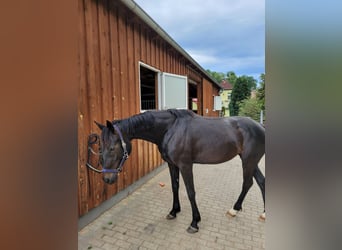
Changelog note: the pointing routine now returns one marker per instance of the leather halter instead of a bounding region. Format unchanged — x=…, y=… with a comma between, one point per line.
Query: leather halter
x=107, y=170
x=124, y=157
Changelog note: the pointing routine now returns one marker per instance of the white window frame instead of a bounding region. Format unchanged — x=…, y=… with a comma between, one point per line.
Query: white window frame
x=162, y=86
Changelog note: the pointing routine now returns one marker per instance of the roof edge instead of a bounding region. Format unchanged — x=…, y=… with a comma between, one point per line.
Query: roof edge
x=135, y=8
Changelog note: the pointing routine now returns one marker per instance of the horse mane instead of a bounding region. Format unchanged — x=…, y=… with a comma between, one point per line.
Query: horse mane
x=143, y=121
x=146, y=120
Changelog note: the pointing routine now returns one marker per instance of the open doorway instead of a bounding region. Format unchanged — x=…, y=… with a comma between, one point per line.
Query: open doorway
x=148, y=88
x=193, y=97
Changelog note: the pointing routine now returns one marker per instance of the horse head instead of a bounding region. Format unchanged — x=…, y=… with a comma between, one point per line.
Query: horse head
x=113, y=151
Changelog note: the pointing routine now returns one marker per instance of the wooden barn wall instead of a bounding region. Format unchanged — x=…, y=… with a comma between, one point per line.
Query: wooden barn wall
x=208, y=98
x=111, y=43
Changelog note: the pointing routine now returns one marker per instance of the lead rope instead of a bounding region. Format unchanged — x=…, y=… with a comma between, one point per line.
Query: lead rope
x=92, y=141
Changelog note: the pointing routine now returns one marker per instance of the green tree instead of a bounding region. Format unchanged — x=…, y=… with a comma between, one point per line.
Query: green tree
x=251, y=82
x=261, y=91
x=231, y=76
x=250, y=107
x=218, y=76
x=240, y=92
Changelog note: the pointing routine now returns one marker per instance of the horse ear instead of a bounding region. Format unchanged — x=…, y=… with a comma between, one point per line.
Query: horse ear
x=99, y=125
x=110, y=126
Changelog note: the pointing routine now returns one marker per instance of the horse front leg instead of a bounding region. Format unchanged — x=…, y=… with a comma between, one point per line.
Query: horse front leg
x=174, y=173
x=187, y=175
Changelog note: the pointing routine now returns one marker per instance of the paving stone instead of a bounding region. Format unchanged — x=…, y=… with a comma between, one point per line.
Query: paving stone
x=138, y=221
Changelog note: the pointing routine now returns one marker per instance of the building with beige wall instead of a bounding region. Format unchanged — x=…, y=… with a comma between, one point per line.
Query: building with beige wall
x=225, y=94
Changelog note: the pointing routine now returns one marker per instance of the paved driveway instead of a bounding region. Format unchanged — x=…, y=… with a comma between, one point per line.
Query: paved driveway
x=138, y=221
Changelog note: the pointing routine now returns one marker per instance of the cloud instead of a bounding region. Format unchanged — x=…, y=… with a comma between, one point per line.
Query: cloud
x=202, y=57
x=217, y=34
x=241, y=65
x=241, y=13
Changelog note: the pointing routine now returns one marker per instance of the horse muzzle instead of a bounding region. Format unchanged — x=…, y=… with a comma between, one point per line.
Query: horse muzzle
x=110, y=178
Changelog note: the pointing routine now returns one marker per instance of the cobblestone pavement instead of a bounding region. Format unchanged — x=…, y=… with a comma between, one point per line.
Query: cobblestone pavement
x=138, y=221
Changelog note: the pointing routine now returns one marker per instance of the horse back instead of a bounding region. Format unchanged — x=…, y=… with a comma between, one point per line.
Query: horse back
x=200, y=139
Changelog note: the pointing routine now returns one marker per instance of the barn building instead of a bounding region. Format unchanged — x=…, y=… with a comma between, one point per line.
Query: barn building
x=128, y=64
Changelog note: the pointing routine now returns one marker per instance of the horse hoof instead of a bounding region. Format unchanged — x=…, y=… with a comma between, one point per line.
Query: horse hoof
x=170, y=217
x=192, y=230
x=262, y=217
x=232, y=212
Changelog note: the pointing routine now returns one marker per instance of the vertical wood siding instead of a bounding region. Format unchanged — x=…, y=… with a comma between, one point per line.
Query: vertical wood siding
x=112, y=41
x=209, y=91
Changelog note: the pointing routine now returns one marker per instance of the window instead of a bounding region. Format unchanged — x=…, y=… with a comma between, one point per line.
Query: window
x=159, y=90
x=174, y=91
x=217, y=103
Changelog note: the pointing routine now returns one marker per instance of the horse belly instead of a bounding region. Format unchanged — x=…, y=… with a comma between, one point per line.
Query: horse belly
x=214, y=153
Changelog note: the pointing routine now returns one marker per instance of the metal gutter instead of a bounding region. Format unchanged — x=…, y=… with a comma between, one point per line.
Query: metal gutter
x=135, y=8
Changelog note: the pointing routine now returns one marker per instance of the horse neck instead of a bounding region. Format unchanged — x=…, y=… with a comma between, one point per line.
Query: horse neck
x=147, y=126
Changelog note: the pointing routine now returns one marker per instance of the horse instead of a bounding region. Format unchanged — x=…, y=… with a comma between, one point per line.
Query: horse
x=184, y=138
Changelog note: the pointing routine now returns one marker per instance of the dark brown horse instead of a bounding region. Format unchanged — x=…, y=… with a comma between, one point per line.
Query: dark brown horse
x=184, y=138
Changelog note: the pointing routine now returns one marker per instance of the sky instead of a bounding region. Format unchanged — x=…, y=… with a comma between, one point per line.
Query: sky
x=221, y=35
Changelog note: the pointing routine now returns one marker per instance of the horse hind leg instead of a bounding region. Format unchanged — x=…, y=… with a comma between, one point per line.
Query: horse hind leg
x=260, y=179
x=187, y=175
x=246, y=185
x=174, y=173
x=248, y=167
x=249, y=171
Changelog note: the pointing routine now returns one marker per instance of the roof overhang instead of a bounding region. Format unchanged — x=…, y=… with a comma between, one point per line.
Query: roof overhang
x=135, y=8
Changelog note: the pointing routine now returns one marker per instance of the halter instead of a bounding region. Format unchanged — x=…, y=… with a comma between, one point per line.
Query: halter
x=106, y=170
